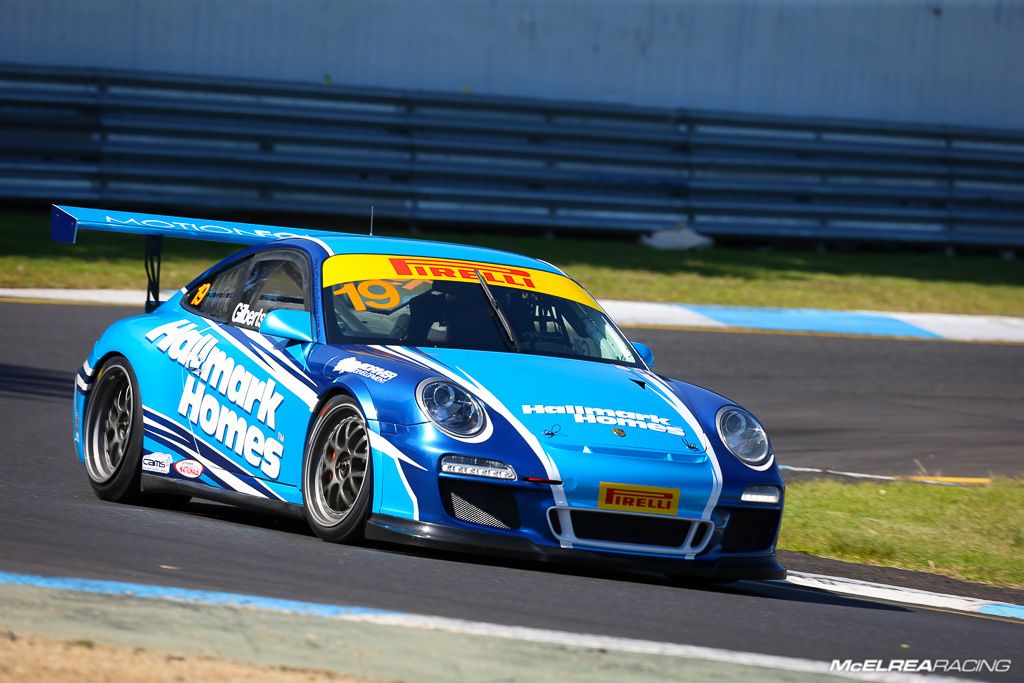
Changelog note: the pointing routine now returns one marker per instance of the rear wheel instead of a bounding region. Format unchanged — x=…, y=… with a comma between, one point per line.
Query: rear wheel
x=337, y=472
x=113, y=437
x=113, y=433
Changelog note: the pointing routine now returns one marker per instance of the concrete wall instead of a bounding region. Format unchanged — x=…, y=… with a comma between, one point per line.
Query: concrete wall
x=937, y=61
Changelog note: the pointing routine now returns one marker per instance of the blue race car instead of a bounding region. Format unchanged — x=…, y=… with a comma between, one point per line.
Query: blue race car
x=417, y=392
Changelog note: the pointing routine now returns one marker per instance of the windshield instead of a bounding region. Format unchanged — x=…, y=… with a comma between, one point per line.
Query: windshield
x=448, y=306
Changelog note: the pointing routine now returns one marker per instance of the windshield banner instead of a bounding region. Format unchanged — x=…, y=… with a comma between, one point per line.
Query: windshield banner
x=345, y=268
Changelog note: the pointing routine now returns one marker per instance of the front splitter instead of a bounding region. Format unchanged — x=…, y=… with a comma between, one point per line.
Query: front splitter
x=388, y=529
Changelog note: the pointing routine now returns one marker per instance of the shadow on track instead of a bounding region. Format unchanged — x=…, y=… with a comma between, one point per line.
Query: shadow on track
x=27, y=382
x=771, y=590
x=764, y=589
x=231, y=514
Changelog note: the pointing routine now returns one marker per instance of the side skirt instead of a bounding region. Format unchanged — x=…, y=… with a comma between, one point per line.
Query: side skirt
x=154, y=484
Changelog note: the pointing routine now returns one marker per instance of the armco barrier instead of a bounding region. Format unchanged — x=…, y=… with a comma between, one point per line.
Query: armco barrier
x=77, y=135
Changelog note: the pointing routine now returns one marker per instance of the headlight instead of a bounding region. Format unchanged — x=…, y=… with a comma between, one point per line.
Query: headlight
x=743, y=435
x=452, y=408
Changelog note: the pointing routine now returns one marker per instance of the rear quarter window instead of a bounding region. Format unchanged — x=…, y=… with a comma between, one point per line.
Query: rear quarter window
x=213, y=296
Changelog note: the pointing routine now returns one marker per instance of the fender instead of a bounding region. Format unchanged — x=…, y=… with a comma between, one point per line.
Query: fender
x=705, y=404
x=121, y=338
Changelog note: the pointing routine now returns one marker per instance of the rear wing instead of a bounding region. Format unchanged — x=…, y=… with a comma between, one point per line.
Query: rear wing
x=66, y=221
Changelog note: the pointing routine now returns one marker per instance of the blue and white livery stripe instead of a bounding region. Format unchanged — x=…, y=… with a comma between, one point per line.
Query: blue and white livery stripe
x=666, y=393
x=469, y=384
x=168, y=433
x=317, y=240
x=389, y=449
x=209, y=470
x=296, y=382
x=381, y=444
x=214, y=465
x=271, y=354
x=83, y=378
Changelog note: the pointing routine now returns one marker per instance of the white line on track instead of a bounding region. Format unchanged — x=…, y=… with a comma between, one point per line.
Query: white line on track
x=628, y=645
x=899, y=594
x=918, y=478
x=463, y=627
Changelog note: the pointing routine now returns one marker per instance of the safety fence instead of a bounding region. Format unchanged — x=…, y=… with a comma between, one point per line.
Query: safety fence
x=189, y=143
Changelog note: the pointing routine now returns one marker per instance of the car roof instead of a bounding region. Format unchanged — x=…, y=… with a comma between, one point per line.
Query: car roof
x=364, y=244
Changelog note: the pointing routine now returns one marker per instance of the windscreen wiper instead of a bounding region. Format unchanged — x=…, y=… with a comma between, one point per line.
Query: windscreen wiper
x=500, y=314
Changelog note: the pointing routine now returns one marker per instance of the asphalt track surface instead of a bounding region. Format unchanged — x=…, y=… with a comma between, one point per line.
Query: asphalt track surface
x=861, y=404
x=877, y=406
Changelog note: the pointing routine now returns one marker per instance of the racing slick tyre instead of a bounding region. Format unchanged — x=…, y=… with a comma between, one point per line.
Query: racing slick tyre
x=112, y=437
x=337, y=472
x=112, y=433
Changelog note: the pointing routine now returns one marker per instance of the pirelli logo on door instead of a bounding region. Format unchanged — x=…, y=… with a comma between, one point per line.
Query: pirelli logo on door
x=632, y=498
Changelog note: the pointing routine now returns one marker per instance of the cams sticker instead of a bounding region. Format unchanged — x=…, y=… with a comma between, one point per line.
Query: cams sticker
x=156, y=462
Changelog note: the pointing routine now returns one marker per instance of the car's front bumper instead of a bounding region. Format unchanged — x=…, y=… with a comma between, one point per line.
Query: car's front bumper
x=440, y=537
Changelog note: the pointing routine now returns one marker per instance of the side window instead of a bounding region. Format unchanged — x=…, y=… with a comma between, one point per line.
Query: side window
x=213, y=297
x=274, y=283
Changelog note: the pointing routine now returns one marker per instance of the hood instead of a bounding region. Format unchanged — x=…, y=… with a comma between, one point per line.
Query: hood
x=584, y=406
x=603, y=430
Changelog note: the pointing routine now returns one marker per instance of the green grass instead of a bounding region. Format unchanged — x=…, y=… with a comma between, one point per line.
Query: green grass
x=969, y=533
x=923, y=282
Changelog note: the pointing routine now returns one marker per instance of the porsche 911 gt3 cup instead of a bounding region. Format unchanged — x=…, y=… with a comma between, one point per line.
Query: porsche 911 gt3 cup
x=417, y=392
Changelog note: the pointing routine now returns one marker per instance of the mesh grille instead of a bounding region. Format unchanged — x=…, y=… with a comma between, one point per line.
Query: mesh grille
x=489, y=505
x=468, y=512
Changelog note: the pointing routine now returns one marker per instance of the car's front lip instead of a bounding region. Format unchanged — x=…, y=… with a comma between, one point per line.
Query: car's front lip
x=384, y=528
x=698, y=532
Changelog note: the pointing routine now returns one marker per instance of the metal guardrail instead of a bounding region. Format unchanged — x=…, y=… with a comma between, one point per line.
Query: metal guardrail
x=128, y=137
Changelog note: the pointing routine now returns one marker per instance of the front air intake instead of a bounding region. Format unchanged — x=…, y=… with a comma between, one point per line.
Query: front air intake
x=628, y=531
x=483, y=504
x=750, y=530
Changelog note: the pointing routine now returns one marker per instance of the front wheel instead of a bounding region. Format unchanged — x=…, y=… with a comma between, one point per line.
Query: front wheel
x=337, y=472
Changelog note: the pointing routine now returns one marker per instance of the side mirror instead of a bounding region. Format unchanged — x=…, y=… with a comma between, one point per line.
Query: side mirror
x=289, y=324
x=645, y=353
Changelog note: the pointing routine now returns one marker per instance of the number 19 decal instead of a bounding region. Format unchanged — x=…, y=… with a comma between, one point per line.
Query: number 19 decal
x=370, y=293
x=200, y=294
